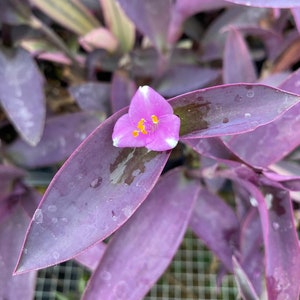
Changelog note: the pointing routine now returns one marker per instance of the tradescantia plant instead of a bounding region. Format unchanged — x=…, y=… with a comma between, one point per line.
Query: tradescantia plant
x=163, y=124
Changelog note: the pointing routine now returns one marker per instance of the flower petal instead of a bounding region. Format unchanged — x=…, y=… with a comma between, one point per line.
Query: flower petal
x=147, y=102
x=167, y=134
x=123, y=134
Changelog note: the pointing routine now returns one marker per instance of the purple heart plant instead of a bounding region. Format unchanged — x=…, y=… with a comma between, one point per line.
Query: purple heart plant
x=137, y=120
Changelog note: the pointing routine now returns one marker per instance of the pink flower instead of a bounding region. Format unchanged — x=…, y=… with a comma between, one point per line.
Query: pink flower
x=150, y=123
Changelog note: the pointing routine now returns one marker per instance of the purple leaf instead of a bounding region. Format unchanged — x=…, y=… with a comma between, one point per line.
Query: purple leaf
x=282, y=255
x=92, y=195
x=184, y=78
x=150, y=123
x=237, y=63
x=211, y=147
x=280, y=135
x=12, y=231
x=229, y=109
x=237, y=16
x=92, y=256
x=186, y=8
x=251, y=258
x=216, y=225
x=141, y=250
x=92, y=96
x=268, y=3
x=146, y=15
x=61, y=136
x=292, y=83
x=21, y=93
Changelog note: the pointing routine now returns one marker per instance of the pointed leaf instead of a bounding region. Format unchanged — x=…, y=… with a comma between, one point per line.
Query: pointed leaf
x=216, y=225
x=238, y=65
x=142, y=249
x=71, y=14
x=268, y=3
x=12, y=231
x=230, y=109
x=92, y=195
x=61, y=137
x=119, y=24
x=21, y=93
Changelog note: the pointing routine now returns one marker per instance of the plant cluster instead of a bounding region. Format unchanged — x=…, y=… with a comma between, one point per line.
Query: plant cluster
x=154, y=116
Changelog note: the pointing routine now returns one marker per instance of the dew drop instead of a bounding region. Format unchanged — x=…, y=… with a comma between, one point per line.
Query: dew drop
x=247, y=115
x=225, y=120
x=253, y=201
x=54, y=220
x=121, y=290
x=250, y=94
x=52, y=208
x=268, y=200
x=96, y=182
x=25, y=251
x=105, y=275
x=275, y=226
x=38, y=216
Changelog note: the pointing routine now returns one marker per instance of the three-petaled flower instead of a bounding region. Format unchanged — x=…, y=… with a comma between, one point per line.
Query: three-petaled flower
x=150, y=122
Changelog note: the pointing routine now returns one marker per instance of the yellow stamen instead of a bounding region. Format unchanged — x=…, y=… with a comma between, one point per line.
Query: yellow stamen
x=135, y=133
x=154, y=119
x=141, y=126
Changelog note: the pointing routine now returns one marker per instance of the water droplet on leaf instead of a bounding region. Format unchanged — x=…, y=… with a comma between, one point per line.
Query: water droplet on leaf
x=250, y=94
x=52, y=208
x=96, y=182
x=275, y=226
x=38, y=216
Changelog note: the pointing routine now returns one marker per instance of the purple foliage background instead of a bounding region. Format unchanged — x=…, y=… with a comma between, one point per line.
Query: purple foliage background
x=230, y=71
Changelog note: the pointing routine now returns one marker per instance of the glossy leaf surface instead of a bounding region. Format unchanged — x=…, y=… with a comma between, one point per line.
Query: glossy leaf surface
x=21, y=93
x=229, y=109
x=93, y=194
x=282, y=134
x=129, y=269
